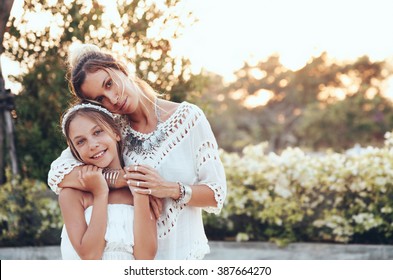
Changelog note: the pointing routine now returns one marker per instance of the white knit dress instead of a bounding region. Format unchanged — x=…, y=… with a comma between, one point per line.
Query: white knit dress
x=189, y=154
x=119, y=234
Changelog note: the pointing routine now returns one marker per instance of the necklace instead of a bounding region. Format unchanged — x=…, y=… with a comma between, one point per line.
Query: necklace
x=145, y=143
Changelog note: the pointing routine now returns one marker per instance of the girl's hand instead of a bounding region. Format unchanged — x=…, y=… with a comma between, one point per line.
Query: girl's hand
x=144, y=179
x=92, y=180
x=156, y=206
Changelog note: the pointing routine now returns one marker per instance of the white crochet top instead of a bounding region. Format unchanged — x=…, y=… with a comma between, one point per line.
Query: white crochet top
x=189, y=155
x=119, y=234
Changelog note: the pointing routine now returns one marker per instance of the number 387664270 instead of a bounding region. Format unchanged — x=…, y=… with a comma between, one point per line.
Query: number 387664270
x=233, y=270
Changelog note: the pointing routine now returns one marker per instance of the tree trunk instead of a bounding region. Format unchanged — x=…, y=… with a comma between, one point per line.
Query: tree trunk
x=2, y=161
x=5, y=10
x=9, y=130
x=6, y=124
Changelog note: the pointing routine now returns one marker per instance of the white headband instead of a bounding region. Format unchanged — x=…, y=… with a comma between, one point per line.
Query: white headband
x=82, y=106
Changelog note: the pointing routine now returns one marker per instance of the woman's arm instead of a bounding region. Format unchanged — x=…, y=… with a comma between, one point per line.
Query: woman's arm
x=87, y=240
x=71, y=180
x=64, y=173
x=148, y=178
x=202, y=195
x=145, y=229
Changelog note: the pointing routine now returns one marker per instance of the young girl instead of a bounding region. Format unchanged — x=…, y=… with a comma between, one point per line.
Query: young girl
x=101, y=222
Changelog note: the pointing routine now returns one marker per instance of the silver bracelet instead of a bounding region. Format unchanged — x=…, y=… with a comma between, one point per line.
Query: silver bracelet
x=111, y=176
x=185, y=193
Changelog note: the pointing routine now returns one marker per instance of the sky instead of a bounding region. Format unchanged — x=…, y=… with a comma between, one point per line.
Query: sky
x=230, y=32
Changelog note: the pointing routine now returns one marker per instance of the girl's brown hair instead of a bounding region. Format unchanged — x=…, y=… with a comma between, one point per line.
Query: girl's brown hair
x=105, y=121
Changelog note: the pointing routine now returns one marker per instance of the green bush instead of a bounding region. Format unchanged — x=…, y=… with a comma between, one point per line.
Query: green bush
x=29, y=214
x=296, y=196
x=291, y=197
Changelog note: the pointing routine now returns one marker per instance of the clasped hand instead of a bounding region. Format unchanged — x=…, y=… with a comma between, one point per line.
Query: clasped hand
x=92, y=180
x=144, y=179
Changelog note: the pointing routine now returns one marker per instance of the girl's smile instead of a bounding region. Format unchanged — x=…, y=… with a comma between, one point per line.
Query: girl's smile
x=99, y=155
x=94, y=144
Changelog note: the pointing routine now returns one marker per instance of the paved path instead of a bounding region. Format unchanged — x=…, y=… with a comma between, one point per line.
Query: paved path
x=243, y=251
x=298, y=251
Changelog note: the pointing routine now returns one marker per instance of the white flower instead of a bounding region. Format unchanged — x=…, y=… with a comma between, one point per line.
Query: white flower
x=380, y=181
x=241, y=236
x=367, y=220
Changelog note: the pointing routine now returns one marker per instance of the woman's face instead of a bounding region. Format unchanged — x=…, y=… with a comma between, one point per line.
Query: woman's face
x=94, y=144
x=112, y=89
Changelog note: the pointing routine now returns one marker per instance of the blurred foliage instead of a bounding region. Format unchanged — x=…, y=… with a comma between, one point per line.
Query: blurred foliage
x=42, y=53
x=298, y=197
x=29, y=214
x=325, y=104
x=354, y=120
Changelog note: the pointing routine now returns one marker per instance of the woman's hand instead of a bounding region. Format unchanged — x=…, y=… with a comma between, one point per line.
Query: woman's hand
x=144, y=179
x=155, y=202
x=92, y=180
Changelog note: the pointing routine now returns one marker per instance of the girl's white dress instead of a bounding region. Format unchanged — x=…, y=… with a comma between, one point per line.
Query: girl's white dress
x=119, y=234
x=189, y=154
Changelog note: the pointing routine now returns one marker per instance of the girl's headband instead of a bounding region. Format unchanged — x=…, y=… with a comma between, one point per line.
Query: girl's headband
x=82, y=106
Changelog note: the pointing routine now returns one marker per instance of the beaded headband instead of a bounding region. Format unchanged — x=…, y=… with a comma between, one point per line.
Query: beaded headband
x=82, y=106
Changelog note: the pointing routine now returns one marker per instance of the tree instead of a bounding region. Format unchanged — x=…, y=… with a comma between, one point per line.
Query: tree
x=42, y=54
x=6, y=104
x=311, y=105
x=362, y=117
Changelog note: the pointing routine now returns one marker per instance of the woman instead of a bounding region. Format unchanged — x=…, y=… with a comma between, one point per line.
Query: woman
x=102, y=223
x=170, y=151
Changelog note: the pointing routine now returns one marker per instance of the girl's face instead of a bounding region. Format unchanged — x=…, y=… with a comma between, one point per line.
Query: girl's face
x=112, y=89
x=94, y=144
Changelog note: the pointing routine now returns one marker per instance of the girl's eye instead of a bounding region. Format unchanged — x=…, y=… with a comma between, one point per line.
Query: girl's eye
x=97, y=132
x=80, y=142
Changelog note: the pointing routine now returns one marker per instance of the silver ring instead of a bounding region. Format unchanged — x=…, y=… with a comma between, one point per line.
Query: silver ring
x=136, y=168
x=149, y=191
x=138, y=183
